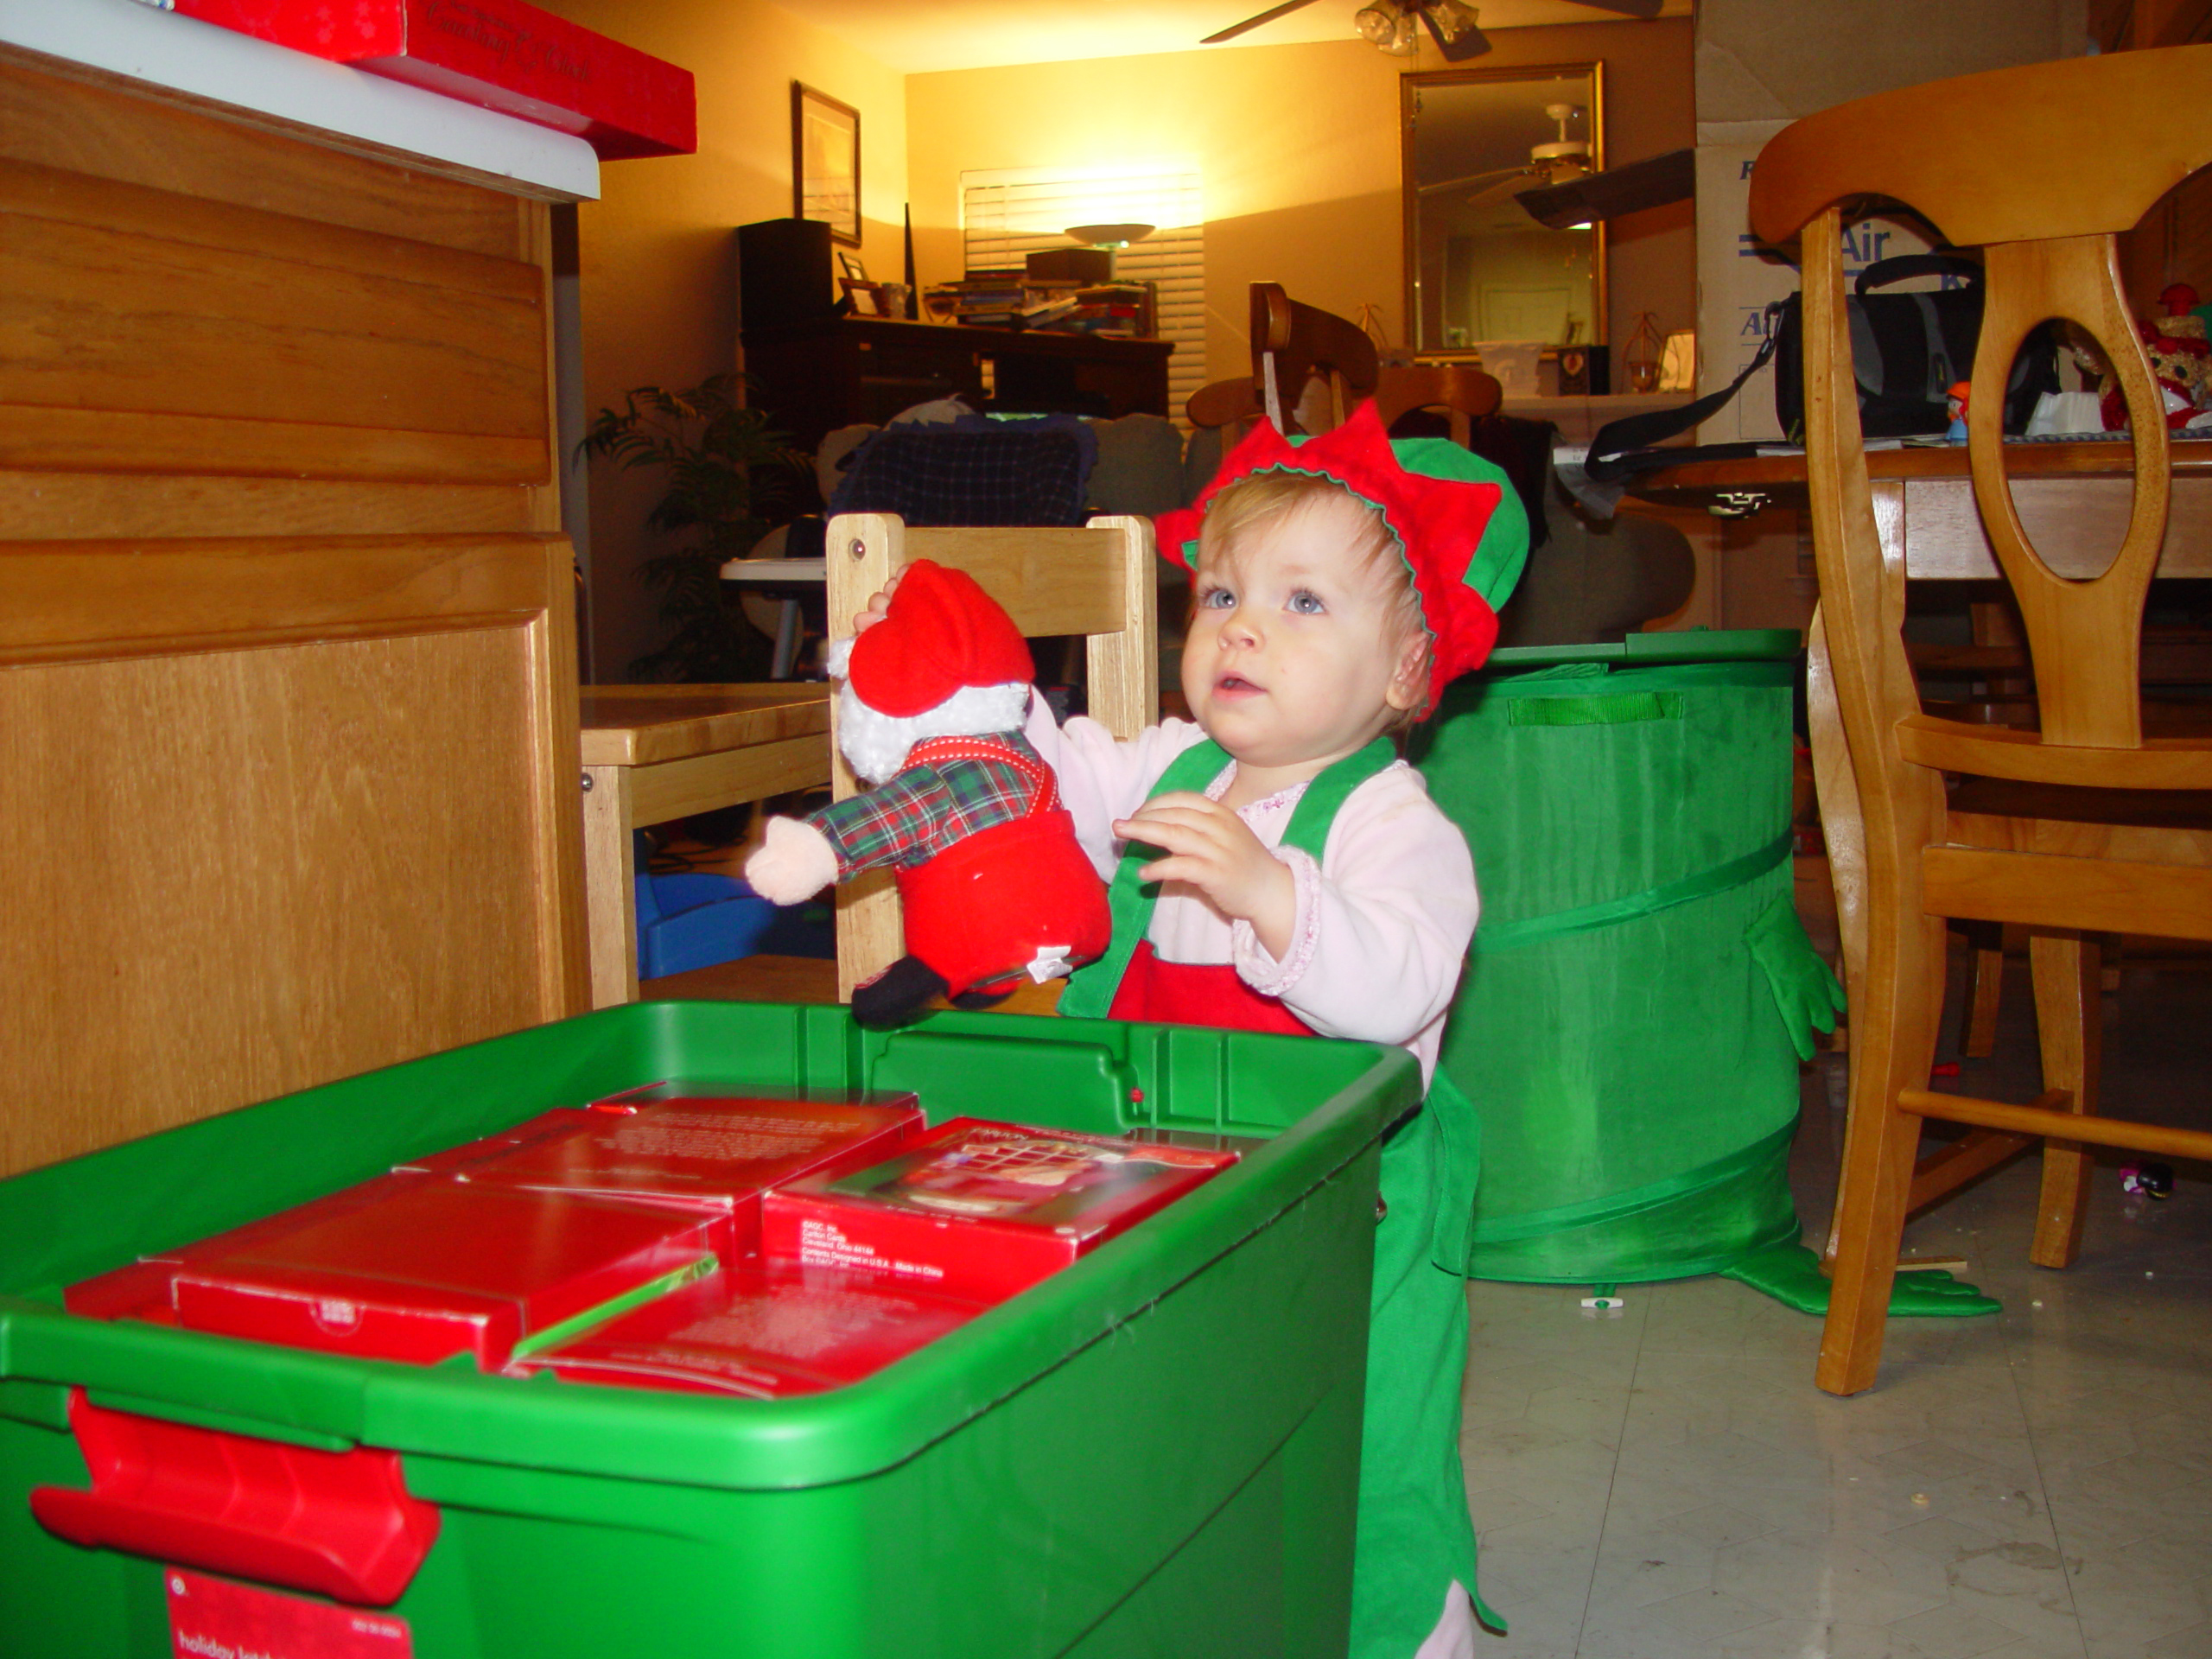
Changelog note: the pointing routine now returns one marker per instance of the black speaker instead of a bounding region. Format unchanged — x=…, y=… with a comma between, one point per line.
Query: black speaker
x=782, y=275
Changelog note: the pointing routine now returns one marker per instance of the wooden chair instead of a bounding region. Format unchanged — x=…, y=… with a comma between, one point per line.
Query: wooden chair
x=1310, y=367
x=1097, y=582
x=2042, y=167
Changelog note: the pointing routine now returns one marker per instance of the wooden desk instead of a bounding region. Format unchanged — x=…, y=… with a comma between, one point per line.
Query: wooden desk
x=851, y=369
x=654, y=752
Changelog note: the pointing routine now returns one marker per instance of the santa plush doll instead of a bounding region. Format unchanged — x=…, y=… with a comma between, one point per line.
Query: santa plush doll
x=964, y=812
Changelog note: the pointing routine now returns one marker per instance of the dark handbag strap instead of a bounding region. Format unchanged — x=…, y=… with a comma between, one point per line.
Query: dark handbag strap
x=1623, y=447
x=1904, y=265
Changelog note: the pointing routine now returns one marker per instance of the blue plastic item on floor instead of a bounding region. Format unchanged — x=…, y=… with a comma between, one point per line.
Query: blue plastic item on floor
x=696, y=921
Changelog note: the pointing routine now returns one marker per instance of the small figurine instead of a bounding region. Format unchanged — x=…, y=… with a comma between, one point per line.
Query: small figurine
x=994, y=888
x=1955, y=398
x=2148, y=1178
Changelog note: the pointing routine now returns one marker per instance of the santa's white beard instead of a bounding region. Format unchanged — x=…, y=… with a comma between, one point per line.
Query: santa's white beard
x=875, y=744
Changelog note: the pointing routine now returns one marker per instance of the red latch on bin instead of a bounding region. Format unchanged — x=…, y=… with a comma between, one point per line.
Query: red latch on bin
x=339, y=1523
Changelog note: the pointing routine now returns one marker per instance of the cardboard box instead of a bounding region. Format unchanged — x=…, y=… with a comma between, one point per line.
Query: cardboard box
x=715, y=1154
x=764, y=1329
x=502, y=55
x=1761, y=64
x=981, y=1210
x=437, y=1267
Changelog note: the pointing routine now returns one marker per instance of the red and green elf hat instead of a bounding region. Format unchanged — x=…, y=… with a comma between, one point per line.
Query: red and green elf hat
x=1459, y=525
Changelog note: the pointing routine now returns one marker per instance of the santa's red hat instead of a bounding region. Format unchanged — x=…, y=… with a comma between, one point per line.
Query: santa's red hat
x=943, y=634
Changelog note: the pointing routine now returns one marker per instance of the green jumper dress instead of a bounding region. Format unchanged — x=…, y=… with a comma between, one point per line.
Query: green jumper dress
x=1416, y=1538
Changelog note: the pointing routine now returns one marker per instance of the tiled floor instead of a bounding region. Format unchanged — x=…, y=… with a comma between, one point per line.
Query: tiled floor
x=1666, y=1482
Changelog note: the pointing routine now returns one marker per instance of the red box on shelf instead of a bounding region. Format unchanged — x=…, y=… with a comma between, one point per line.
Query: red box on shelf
x=437, y=1268
x=501, y=55
x=978, y=1209
x=763, y=1329
x=712, y=1152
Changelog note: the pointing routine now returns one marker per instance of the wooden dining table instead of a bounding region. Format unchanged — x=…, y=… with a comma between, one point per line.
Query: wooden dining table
x=655, y=752
x=2073, y=500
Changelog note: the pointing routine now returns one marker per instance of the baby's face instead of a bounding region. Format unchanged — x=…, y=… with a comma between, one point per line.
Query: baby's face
x=1294, y=656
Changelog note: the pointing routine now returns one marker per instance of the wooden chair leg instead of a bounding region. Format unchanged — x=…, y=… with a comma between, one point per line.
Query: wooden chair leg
x=1896, y=1045
x=1985, y=980
x=2069, y=1029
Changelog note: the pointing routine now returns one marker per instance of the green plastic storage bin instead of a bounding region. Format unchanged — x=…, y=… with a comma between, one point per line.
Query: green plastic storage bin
x=1154, y=1452
x=1628, y=806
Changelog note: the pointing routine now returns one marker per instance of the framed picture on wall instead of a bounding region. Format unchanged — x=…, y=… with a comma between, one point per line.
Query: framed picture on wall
x=826, y=163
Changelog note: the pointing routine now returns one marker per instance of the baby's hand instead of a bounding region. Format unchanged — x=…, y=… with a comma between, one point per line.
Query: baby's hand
x=879, y=606
x=1213, y=850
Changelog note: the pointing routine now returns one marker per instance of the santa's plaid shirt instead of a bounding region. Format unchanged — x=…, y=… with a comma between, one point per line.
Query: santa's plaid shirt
x=951, y=788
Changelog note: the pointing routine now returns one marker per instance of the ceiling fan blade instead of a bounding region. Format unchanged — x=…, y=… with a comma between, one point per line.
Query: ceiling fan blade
x=1618, y=190
x=1469, y=42
x=1267, y=17
x=1626, y=8
x=1523, y=179
x=1475, y=178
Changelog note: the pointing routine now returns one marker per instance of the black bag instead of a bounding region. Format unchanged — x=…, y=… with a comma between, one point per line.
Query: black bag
x=1907, y=350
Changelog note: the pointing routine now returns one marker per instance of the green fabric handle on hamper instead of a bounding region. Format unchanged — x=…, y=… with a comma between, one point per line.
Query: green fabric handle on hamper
x=1614, y=1205
x=1620, y=709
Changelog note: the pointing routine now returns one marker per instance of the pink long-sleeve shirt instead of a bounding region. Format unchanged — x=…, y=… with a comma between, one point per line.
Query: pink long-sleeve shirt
x=1383, y=919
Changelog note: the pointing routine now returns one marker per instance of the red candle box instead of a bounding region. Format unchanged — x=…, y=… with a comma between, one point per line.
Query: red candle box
x=981, y=1209
x=434, y=1268
x=502, y=55
x=712, y=1153
x=763, y=1329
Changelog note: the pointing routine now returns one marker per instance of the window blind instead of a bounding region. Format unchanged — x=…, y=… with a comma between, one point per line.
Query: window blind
x=1006, y=213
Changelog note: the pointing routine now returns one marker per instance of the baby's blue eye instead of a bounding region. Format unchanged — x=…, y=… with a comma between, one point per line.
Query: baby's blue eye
x=1306, y=602
x=1216, y=599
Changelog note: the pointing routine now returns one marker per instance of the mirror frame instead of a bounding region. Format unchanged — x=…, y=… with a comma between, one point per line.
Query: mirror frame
x=1409, y=87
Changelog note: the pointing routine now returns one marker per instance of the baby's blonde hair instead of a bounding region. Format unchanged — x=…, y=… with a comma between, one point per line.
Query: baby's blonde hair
x=1263, y=500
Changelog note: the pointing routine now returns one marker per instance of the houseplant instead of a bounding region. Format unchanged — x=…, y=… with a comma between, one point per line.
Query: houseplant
x=725, y=466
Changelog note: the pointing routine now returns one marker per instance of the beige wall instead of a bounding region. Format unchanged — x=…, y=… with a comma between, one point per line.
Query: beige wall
x=658, y=250
x=1298, y=149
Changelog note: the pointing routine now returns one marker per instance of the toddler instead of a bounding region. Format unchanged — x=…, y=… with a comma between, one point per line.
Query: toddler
x=1307, y=884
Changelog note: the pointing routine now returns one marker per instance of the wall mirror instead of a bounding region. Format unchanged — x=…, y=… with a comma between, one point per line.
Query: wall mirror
x=1478, y=267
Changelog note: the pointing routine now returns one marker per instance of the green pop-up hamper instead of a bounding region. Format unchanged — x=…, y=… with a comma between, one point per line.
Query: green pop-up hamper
x=1620, y=1028
x=1155, y=1450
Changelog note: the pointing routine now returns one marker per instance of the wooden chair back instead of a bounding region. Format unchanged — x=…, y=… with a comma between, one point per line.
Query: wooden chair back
x=1465, y=393
x=1293, y=344
x=1097, y=582
x=2035, y=166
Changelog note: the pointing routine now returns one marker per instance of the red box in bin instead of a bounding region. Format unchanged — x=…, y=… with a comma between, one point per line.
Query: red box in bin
x=437, y=1268
x=499, y=54
x=453, y=1161
x=143, y=1290
x=717, y=1153
x=978, y=1209
x=763, y=1329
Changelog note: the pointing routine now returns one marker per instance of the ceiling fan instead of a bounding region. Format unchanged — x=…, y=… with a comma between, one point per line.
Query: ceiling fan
x=1548, y=165
x=1391, y=23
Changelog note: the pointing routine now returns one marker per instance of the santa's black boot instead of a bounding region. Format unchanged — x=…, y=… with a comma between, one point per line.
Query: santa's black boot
x=896, y=995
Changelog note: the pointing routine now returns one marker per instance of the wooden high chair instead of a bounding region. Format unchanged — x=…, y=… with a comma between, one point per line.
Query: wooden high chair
x=1097, y=582
x=2084, y=826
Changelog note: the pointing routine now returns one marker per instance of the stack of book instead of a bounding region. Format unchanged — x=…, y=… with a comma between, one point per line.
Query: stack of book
x=1007, y=299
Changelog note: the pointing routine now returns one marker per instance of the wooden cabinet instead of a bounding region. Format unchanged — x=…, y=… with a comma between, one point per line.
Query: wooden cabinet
x=855, y=369
x=289, y=772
